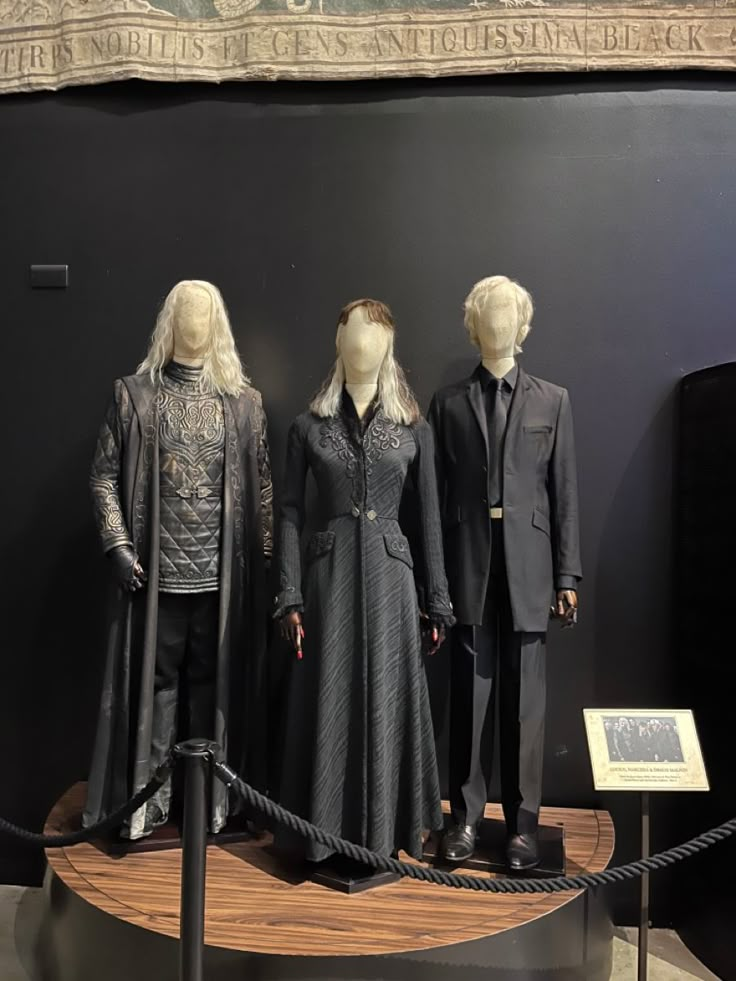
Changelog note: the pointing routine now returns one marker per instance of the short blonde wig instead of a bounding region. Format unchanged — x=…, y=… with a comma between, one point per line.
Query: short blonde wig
x=477, y=300
x=222, y=370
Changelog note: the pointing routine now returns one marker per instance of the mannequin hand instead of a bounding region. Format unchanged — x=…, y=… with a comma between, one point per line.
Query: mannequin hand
x=292, y=630
x=433, y=635
x=127, y=569
x=567, y=607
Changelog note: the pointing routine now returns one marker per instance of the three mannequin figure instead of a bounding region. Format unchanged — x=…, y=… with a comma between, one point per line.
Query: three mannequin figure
x=182, y=491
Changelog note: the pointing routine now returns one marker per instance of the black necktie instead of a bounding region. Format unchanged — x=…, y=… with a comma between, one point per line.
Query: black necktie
x=496, y=432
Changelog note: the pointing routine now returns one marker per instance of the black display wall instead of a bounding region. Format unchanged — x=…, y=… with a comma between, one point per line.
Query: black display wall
x=705, y=489
x=611, y=198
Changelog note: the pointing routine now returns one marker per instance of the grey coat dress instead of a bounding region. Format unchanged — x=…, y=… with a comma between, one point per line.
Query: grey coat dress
x=359, y=754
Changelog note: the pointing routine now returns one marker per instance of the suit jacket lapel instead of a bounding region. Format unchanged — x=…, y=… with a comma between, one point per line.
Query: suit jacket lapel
x=518, y=401
x=477, y=404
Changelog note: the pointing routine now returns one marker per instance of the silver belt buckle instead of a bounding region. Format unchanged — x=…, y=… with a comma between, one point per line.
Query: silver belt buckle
x=495, y=513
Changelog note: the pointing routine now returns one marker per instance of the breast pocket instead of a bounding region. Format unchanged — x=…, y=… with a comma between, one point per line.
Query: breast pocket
x=538, y=441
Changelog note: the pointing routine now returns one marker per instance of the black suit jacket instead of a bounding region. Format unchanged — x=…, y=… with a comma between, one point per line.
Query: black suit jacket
x=540, y=498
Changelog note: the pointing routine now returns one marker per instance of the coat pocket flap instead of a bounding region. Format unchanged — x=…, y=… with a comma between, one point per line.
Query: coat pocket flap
x=537, y=429
x=541, y=520
x=398, y=547
x=320, y=544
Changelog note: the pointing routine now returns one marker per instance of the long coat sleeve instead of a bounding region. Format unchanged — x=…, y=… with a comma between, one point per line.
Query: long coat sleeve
x=563, y=496
x=434, y=597
x=106, y=471
x=291, y=523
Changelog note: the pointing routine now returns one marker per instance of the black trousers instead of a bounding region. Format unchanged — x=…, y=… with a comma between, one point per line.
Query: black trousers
x=186, y=660
x=493, y=661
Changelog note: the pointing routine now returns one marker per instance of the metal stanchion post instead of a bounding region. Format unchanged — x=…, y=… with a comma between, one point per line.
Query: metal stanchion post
x=197, y=754
x=644, y=910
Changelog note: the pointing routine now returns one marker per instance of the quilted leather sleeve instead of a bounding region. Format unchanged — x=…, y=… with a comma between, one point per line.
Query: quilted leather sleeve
x=105, y=472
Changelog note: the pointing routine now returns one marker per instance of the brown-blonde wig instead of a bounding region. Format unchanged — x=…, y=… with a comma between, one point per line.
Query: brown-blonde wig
x=395, y=397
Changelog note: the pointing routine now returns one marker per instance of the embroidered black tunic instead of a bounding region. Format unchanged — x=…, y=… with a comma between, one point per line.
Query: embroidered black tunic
x=191, y=464
x=359, y=755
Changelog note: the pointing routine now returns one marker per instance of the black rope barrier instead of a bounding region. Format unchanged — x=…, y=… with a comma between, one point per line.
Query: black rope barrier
x=455, y=880
x=279, y=815
x=106, y=824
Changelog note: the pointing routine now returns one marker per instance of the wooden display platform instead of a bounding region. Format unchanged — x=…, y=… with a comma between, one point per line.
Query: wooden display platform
x=258, y=906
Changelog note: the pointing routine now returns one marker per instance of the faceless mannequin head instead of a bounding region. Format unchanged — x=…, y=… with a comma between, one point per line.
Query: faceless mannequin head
x=192, y=321
x=193, y=327
x=498, y=315
x=366, y=365
x=363, y=342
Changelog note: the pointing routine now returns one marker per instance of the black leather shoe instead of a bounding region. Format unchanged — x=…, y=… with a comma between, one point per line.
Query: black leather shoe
x=459, y=843
x=522, y=852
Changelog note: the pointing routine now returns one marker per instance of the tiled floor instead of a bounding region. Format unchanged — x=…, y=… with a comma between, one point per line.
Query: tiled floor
x=669, y=958
x=20, y=909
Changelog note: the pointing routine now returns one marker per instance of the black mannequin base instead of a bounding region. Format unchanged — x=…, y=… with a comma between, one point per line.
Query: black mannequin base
x=348, y=876
x=490, y=851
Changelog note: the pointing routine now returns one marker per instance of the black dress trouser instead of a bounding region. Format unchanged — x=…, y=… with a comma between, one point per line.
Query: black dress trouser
x=186, y=660
x=486, y=659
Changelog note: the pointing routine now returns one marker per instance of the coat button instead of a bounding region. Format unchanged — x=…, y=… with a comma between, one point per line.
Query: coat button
x=371, y=515
x=355, y=511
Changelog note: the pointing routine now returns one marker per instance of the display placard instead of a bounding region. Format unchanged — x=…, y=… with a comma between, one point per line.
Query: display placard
x=644, y=749
x=52, y=43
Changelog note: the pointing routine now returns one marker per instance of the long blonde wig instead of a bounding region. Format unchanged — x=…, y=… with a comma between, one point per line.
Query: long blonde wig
x=395, y=397
x=222, y=370
x=477, y=299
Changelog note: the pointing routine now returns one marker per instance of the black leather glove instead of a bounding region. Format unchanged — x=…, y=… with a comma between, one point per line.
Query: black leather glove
x=126, y=568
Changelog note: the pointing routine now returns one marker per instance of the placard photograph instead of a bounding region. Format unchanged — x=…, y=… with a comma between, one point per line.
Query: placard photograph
x=632, y=740
x=644, y=749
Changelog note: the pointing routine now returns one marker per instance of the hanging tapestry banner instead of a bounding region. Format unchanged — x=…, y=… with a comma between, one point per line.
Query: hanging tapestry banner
x=47, y=44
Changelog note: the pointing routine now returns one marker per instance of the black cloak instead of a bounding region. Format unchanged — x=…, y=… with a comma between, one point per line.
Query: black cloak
x=125, y=484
